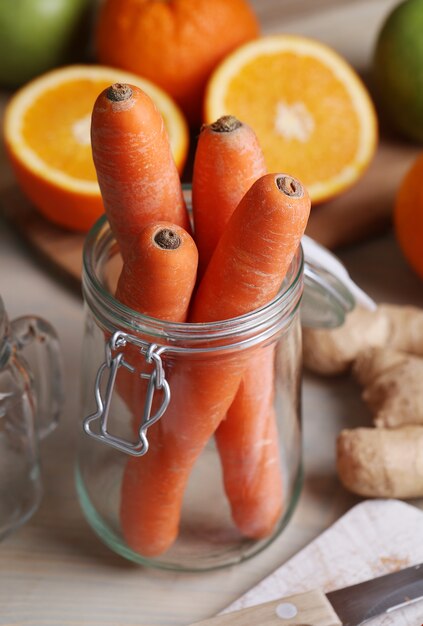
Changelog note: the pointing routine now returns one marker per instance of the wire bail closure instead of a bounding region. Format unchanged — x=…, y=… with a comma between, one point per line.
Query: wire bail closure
x=114, y=359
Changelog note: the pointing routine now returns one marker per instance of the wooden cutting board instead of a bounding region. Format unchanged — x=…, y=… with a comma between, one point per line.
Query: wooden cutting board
x=375, y=537
x=360, y=212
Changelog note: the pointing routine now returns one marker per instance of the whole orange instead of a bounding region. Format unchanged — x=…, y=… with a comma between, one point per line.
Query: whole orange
x=408, y=215
x=174, y=43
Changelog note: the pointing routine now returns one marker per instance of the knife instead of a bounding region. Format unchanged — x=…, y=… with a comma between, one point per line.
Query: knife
x=350, y=606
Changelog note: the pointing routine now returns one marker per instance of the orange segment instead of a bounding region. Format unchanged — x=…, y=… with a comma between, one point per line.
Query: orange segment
x=309, y=109
x=47, y=134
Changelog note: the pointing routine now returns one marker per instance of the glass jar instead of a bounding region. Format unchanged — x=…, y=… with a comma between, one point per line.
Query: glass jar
x=170, y=471
x=30, y=401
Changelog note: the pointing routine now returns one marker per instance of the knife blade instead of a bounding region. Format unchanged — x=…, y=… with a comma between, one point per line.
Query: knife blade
x=350, y=606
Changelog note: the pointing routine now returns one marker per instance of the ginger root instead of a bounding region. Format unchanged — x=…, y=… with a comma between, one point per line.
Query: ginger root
x=382, y=463
x=393, y=386
x=385, y=350
x=386, y=461
x=333, y=351
x=405, y=327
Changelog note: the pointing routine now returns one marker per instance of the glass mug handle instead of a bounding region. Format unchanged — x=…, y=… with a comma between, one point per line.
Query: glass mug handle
x=38, y=338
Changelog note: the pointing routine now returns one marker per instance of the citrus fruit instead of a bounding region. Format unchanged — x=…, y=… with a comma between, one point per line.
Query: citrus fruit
x=47, y=136
x=310, y=111
x=398, y=68
x=36, y=35
x=175, y=44
x=408, y=215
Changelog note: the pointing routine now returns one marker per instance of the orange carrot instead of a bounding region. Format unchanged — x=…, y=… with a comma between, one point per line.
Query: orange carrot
x=159, y=272
x=227, y=150
x=157, y=280
x=245, y=272
x=252, y=474
x=138, y=178
x=248, y=445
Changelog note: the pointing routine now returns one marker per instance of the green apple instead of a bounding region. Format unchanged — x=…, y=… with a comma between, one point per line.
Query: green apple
x=37, y=35
x=398, y=68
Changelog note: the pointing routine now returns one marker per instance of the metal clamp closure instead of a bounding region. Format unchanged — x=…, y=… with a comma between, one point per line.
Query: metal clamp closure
x=114, y=359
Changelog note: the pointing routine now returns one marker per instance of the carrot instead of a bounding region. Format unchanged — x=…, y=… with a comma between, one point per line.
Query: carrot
x=227, y=150
x=248, y=445
x=159, y=272
x=252, y=474
x=157, y=280
x=138, y=179
x=245, y=272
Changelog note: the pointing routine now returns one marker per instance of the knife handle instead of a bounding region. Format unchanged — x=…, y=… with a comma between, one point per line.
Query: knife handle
x=305, y=609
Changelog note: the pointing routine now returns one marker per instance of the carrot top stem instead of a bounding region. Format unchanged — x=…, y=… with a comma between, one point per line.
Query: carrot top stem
x=119, y=92
x=290, y=186
x=225, y=124
x=167, y=239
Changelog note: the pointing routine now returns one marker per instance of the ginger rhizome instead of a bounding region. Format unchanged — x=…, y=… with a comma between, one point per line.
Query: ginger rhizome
x=334, y=351
x=384, y=350
x=382, y=462
x=392, y=386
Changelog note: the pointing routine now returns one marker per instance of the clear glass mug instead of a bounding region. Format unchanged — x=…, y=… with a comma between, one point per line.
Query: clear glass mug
x=30, y=402
x=160, y=481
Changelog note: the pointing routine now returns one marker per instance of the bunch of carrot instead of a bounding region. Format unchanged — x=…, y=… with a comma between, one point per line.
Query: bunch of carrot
x=248, y=225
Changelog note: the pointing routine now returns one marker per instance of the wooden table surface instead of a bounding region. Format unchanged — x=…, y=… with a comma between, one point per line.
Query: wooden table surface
x=54, y=570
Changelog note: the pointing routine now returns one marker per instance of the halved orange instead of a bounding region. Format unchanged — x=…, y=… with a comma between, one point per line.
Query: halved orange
x=47, y=136
x=312, y=114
